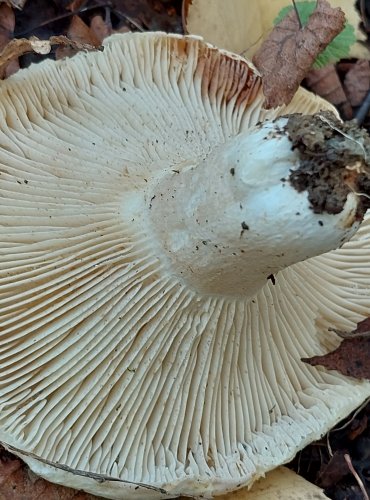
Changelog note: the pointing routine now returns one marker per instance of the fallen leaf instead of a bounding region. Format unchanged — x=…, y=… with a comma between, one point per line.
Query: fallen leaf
x=335, y=470
x=147, y=15
x=357, y=82
x=100, y=28
x=80, y=34
x=75, y=5
x=17, y=4
x=20, y=46
x=7, y=23
x=325, y=82
x=18, y=483
x=290, y=50
x=363, y=326
x=358, y=427
x=352, y=356
x=338, y=48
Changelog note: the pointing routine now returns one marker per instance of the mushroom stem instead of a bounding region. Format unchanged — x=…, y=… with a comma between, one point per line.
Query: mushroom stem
x=257, y=204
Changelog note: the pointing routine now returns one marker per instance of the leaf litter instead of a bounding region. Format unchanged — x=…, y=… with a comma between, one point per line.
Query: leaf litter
x=291, y=49
x=353, y=354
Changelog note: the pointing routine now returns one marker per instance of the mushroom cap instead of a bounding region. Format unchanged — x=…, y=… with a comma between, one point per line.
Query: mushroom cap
x=116, y=377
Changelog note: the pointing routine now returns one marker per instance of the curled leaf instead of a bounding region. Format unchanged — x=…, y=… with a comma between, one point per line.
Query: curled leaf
x=337, y=49
x=290, y=50
x=352, y=356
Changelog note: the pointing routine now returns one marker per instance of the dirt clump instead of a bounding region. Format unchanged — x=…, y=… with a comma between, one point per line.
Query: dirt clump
x=334, y=161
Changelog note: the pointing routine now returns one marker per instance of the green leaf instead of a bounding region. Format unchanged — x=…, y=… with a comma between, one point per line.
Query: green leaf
x=337, y=49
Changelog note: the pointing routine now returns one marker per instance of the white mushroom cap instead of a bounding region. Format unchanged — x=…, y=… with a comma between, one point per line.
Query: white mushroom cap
x=118, y=375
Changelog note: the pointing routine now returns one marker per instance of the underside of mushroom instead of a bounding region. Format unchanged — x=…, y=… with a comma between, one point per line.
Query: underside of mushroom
x=169, y=252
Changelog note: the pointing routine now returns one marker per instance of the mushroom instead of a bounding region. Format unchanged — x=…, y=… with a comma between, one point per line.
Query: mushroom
x=166, y=263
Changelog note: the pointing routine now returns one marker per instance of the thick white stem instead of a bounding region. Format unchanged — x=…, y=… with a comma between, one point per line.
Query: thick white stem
x=228, y=223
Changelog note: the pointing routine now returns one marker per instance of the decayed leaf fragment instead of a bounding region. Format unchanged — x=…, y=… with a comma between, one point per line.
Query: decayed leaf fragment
x=352, y=356
x=20, y=46
x=326, y=83
x=100, y=28
x=357, y=82
x=81, y=36
x=18, y=482
x=290, y=50
x=7, y=23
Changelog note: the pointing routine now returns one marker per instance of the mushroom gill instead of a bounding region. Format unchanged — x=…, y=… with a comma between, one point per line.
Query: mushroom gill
x=124, y=373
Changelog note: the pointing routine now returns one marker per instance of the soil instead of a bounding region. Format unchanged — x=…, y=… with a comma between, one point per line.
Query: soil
x=334, y=160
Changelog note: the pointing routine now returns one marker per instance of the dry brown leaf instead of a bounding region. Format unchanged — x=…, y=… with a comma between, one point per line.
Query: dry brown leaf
x=358, y=427
x=17, y=482
x=335, y=470
x=80, y=34
x=20, y=46
x=352, y=356
x=325, y=82
x=357, y=82
x=75, y=5
x=289, y=52
x=100, y=28
x=7, y=23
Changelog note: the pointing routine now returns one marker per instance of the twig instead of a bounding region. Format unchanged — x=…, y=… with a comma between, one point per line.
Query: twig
x=360, y=408
x=297, y=14
x=347, y=458
x=331, y=125
x=363, y=15
x=363, y=110
x=328, y=444
x=132, y=21
x=60, y=17
x=346, y=424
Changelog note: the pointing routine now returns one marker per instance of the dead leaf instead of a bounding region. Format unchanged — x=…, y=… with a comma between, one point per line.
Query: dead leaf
x=325, y=82
x=7, y=23
x=100, y=28
x=335, y=470
x=75, y=5
x=357, y=82
x=80, y=34
x=352, y=356
x=289, y=52
x=363, y=326
x=17, y=483
x=20, y=46
x=358, y=426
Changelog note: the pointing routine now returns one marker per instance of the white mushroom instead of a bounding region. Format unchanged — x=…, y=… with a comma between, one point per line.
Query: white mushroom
x=144, y=351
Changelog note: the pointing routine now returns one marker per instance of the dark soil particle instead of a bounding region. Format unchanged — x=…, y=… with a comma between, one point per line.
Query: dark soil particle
x=334, y=160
